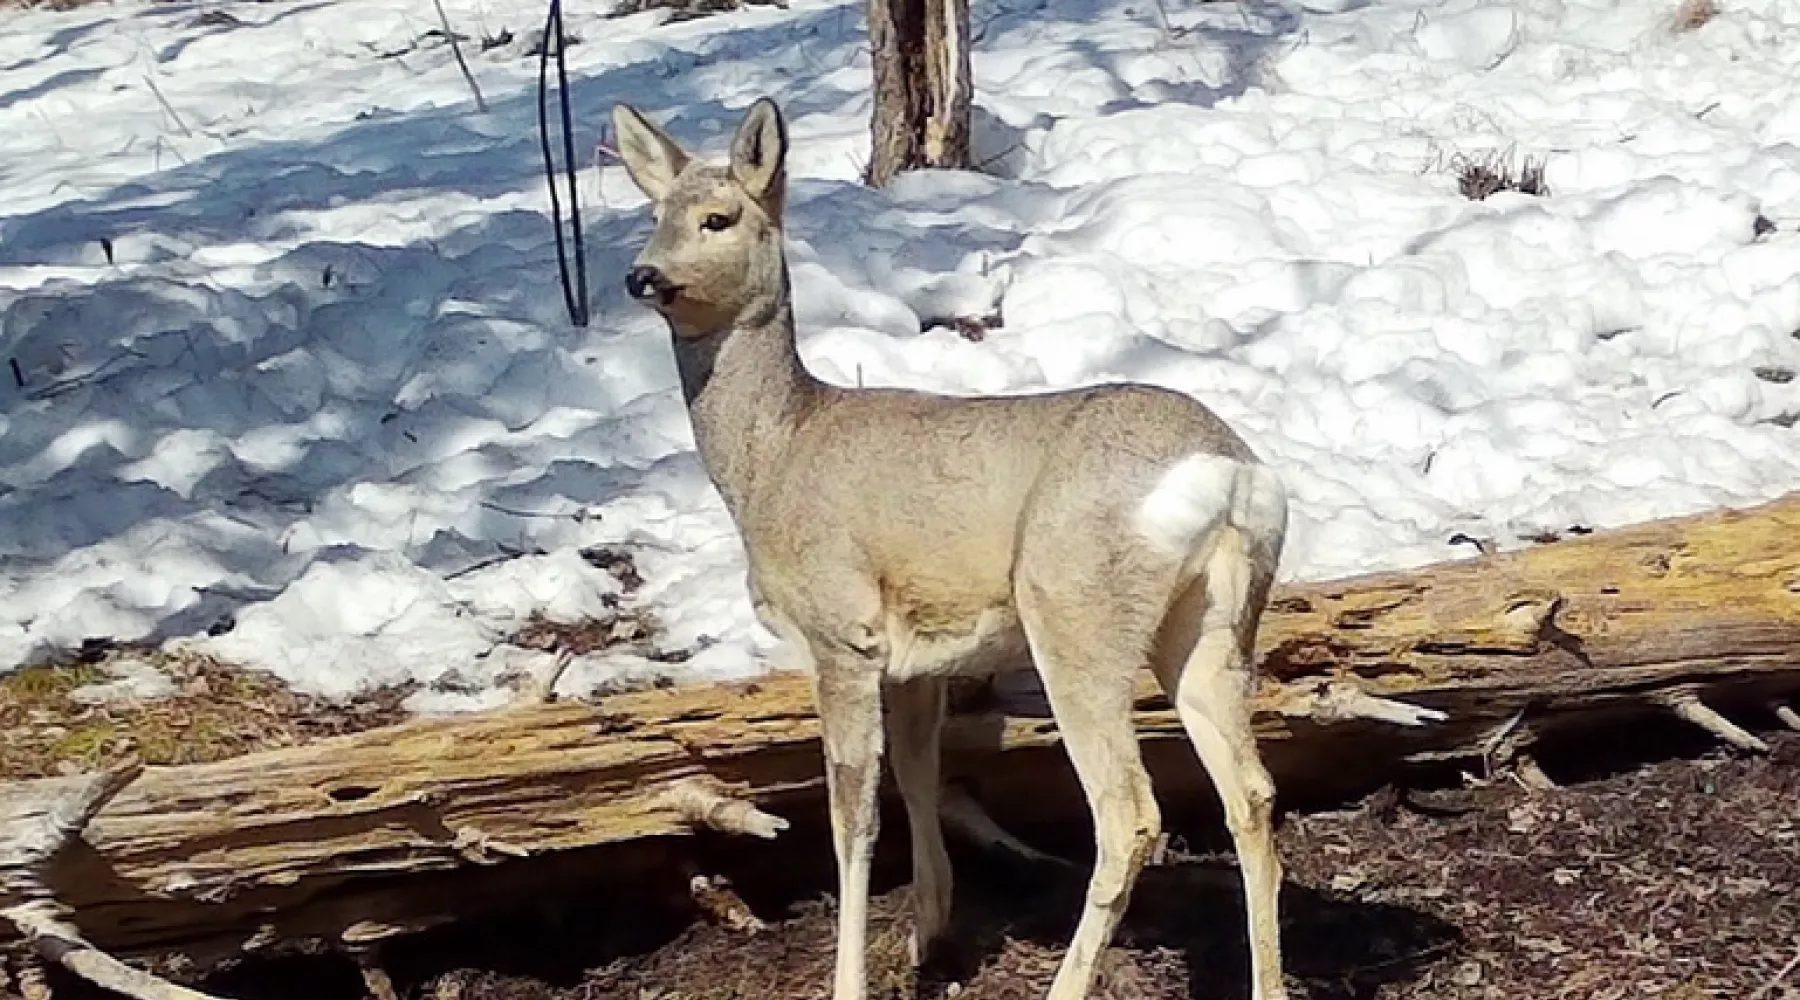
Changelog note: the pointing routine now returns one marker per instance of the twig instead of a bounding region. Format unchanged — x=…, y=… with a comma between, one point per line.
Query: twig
x=983, y=165
x=477, y=848
x=578, y=516
x=38, y=817
x=507, y=553
x=156, y=153
x=479, y=565
x=167, y=107
x=1430, y=951
x=1169, y=30
x=93, y=376
x=44, y=924
x=1501, y=744
x=461, y=63
x=602, y=153
x=1691, y=709
x=1769, y=987
x=544, y=691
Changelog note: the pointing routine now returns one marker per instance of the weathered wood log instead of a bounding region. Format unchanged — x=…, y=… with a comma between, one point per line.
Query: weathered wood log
x=37, y=820
x=355, y=838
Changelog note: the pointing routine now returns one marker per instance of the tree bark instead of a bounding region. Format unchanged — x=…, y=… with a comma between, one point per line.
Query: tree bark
x=355, y=838
x=923, y=94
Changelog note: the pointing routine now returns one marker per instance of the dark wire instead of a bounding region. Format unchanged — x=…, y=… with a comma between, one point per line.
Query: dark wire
x=574, y=292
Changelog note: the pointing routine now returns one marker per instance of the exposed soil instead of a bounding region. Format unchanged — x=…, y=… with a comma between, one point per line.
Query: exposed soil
x=1678, y=879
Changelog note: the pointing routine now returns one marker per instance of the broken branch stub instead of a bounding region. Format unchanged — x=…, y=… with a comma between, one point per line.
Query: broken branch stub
x=704, y=802
x=1788, y=717
x=38, y=817
x=1690, y=708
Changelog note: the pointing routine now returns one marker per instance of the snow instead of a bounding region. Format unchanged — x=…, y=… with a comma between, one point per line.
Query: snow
x=132, y=681
x=295, y=387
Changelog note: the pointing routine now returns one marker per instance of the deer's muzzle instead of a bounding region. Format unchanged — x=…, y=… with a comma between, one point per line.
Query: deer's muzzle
x=650, y=285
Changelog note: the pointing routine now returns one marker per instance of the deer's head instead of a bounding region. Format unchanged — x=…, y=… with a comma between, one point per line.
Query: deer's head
x=714, y=259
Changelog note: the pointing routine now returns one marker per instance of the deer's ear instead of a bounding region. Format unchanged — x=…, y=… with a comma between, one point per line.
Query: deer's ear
x=759, y=152
x=651, y=158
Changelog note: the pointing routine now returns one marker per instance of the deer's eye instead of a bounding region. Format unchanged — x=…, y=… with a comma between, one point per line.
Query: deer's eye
x=716, y=222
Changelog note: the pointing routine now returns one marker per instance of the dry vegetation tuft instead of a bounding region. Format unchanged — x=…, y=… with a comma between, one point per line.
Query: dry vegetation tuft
x=215, y=712
x=688, y=10
x=1479, y=177
x=1692, y=14
x=625, y=625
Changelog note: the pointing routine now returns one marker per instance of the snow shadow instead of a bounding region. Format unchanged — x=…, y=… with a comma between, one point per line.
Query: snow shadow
x=222, y=388
x=219, y=389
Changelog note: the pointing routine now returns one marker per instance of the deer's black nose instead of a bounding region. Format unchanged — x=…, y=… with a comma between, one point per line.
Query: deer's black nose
x=645, y=282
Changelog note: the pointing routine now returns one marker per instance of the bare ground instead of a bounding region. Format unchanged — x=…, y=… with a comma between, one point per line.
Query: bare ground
x=1677, y=879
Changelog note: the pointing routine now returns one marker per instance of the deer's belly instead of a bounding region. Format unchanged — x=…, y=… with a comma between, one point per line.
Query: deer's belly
x=987, y=642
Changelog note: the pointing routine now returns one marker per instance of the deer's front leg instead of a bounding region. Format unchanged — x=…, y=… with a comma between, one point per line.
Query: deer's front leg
x=847, y=686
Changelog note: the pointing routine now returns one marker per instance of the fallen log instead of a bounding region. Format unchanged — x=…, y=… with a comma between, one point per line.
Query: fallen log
x=353, y=839
x=37, y=819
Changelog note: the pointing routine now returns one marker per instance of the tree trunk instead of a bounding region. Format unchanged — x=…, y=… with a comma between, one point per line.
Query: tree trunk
x=357, y=837
x=922, y=90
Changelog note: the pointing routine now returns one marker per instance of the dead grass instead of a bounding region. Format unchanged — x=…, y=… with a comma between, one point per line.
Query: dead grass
x=1693, y=14
x=45, y=4
x=217, y=712
x=1480, y=177
x=688, y=10
x=625, y=626
x=973, y=329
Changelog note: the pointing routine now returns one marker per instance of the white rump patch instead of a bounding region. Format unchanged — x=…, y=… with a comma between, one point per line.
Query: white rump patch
x=1201, y=493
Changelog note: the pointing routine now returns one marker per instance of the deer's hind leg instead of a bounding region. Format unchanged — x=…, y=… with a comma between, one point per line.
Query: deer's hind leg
x=1090, y=625
x=915, y=717
x=1205, y=662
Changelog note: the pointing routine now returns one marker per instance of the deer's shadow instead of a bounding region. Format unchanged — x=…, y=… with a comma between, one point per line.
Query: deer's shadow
x=1336, y=947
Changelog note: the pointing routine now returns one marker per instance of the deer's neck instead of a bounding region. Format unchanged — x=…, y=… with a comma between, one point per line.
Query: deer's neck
x=746, y=392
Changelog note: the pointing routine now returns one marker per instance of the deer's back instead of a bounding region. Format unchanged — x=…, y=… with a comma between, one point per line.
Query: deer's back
x=926, y=500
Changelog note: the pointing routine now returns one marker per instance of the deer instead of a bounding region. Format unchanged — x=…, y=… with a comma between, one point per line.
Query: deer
x=896, y=539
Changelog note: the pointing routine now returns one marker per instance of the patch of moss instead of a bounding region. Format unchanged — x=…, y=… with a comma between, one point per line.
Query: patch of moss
x=48, y=683
x=218, y=711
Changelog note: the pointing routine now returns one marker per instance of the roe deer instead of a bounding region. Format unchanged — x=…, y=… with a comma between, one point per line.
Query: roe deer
x=896, y=538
